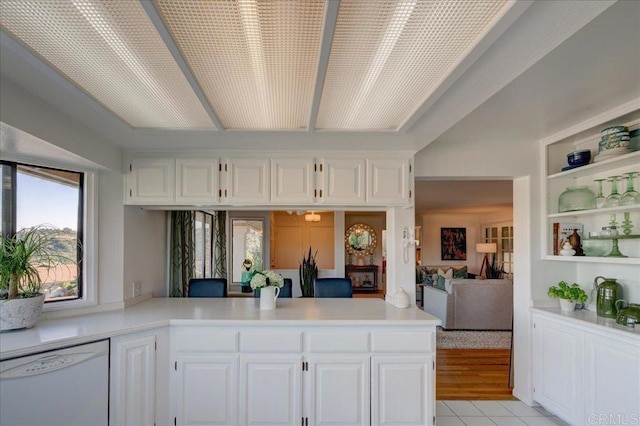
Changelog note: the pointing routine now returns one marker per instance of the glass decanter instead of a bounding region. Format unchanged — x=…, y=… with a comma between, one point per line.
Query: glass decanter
x=630, y=195
x=600, y=198
x=613, y=200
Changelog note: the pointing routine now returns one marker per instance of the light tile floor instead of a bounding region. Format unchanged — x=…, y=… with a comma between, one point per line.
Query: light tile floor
x=493, y=413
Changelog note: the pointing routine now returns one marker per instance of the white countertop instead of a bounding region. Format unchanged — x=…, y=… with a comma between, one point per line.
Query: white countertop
x=586, y=318
x=56, y=333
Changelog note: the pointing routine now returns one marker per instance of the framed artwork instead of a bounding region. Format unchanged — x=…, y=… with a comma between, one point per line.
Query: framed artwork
x=453, y=243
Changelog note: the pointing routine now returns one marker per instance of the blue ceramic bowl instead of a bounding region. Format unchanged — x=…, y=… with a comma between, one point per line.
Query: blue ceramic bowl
x=579, y=158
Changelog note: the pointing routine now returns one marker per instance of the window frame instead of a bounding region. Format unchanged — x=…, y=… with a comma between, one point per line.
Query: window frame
x=86, y=229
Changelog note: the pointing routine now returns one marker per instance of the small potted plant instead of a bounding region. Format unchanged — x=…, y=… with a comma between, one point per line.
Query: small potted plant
x=568, y=295
x=23, y=258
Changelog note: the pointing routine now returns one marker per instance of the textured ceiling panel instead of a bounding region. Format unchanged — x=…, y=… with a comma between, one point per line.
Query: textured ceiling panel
x=111, y=50
x=256, y=61
x=388, y=57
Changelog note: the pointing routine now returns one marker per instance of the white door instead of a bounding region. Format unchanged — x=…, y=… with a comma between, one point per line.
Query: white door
x=612, y=381
x=197, y=180
x=207, y=389
x=151, y=181
x=557, y=369
x=133, y=386
x=246, y=181
x=388, y=182
x=402, y=390
x=339, y=390
x=292, y=181
x=270, y=390
x=341, y=181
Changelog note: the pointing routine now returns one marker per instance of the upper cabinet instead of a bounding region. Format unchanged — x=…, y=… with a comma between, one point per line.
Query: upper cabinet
x=197, y=180
x=150, y=181
x=245, y=181
x=388, y=181
x=344, y=180
x=576, y=198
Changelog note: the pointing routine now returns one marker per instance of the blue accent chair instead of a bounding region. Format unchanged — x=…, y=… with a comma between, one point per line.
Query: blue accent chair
x=208, y=287
x=285, y=291
x=333, y=287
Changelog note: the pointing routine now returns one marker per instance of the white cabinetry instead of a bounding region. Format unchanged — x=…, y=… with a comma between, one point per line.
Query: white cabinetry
x=133, y=385
x=246, y=181
x=583, y=372
x=558, y=368
x=557, y=181
x=402, y=390
x=270, y=390
x=151, y=181
x=197, y=180
x=388, y=181
x=293, y=181
x=287, y=376
x=342, y=181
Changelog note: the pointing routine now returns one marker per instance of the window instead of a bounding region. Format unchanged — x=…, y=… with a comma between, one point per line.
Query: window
x=247, y=242
x=502, y=235
x=51, y=199
x=203, y=240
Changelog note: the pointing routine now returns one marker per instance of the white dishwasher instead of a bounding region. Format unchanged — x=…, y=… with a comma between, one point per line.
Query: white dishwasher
x=65, y=387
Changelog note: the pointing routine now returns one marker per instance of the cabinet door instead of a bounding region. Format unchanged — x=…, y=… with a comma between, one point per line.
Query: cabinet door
x=197, y=180
x=206, y=389
x=402, y=390
x=557, y=369
x=339, y=390
x=612, y=381
x=133, y=365
x=388, y=182
x=270, y=390
x=341, y=181
x=246, y=181
x=151, y=181
x=292, y=181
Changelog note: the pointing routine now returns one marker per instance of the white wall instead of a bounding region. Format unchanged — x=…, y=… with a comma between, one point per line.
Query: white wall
x=110, y=225
x=145, y=251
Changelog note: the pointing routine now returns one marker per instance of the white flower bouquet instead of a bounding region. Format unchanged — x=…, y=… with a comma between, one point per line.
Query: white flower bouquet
x=265, y=278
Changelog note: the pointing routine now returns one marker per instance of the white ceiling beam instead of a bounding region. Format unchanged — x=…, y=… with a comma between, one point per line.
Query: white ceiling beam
x=328, y=28
x=157, y=21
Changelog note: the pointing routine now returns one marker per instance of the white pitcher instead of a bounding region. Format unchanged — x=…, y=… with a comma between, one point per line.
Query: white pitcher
x=268, y=297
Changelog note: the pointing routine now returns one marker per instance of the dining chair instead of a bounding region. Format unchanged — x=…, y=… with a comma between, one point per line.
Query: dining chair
x=285, y=291
x=333, y=287
x=208, y=287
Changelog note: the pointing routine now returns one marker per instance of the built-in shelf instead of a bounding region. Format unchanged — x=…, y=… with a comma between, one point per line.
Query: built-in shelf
x=631, y=159
x=596, y=259
x=593, y=212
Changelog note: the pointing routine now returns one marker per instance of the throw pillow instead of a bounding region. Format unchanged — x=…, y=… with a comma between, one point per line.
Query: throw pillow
x=448, y=286
x=460, y=272
x=446, y=274
x=441, y=282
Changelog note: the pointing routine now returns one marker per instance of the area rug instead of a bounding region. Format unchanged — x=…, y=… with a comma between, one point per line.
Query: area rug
x=456, y=339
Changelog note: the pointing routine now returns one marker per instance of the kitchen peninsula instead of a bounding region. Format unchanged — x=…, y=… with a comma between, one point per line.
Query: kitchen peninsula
x=224, y=361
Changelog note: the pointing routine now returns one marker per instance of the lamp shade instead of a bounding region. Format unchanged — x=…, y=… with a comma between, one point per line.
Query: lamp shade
x=486, y=248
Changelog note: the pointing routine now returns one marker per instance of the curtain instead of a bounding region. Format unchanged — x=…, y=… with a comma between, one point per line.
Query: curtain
x=220, y=251
x=182, y=252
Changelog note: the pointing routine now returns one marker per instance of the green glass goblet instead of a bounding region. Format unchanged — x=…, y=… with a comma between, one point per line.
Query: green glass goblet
x=630, y=195
x=600, y=198
x=613, y=200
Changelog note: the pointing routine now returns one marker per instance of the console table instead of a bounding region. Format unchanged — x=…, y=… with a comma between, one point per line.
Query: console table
x=363, y=278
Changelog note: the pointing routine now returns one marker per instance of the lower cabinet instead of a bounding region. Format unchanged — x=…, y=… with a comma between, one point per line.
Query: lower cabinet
x=402, y=390
x=135, y=362
x=584, y=376
x=265, y=377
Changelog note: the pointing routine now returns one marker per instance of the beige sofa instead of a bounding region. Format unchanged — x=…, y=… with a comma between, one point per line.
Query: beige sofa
x=472, y=304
